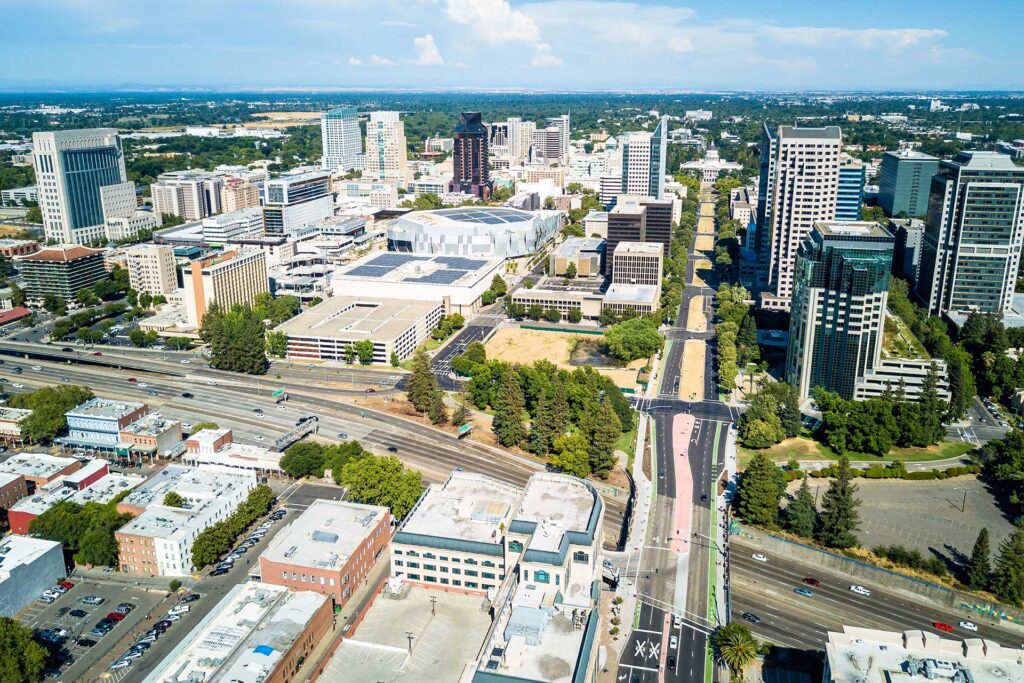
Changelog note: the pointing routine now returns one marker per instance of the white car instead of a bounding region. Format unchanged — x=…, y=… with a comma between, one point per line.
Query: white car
x=673, y=642
x=677, y=621
x=860, y=590
x=184, y=361
x=173, y=617
x=37, y=367
x=759, y=557
x=120, y=664
x=968, y=626
x=258, y=437
x=142, y=384
x=179, y=609
x=18, y=385
x=212, y=383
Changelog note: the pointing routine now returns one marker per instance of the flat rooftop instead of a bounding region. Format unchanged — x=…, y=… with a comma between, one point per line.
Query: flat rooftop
x=646, y=248
x=556, y=504
x=452, y=271
x=105, y=408
x=13, y=414
x=325, y=535
x=619, y=293
x=191, y=483
x=862, y=655
x=852, y=229
x=107, y=488
x=468, y=506
x=149, y=426
x=358, y=318
x=243, y=638
x=575, y=246
x=41, y=465
x=19, y=550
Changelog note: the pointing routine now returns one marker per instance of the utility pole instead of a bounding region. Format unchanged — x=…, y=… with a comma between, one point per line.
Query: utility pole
x=433, y=605
x=408, y=634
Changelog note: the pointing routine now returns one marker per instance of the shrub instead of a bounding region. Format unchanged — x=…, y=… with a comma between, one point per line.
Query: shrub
x=921, y=476
x=911, y=558
x=175, y=585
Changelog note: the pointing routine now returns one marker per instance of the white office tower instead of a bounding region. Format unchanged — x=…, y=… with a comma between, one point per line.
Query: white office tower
x=799, y=186
x=71, y=168
x=561, y=124
x=295, y=200
x=547, y=144
x=192, y=194
x=643, y=161
x=339, y=131
x=386, y=150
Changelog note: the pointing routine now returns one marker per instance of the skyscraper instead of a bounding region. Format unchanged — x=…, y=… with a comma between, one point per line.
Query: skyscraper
x=639, y=219
x=973, y=234
x=561, y=124
x=838, y=309
x=295, y=200
x=904, y=181
x=643, y=161
x=71, y=167
x=386, y=150
x=469, y=158
x=798, y=187
x=850, y=190
x=339, y=131
x=191, y=194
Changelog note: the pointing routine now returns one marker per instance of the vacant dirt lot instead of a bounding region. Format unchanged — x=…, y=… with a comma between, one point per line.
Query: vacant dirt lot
x=704, y=243
x=696, y=321
x=691, y=382
x=284, y=119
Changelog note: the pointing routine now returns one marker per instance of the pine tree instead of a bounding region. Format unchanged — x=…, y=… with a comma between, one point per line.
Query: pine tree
x=979, y=571
x=438, y=411
x=801, y=517
x=761, y=488
x=932, y=407
x=422, y=383
x=509, y=406
x=560, y=412
x=542, y=431
x=461, y=414
x=1008, y=579
x=606, y=431
x=839, y=520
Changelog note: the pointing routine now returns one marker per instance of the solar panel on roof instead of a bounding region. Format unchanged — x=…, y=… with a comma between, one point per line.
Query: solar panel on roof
x=369, y=271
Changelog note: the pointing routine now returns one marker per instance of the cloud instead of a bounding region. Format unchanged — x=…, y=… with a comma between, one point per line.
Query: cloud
x=377, y=60
x=494, y=22
x=400, y=24
x=891, y=39
x=427, y=52
x=355, y=61
x=543, y=57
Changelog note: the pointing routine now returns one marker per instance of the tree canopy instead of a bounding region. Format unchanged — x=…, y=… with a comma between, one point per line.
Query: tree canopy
x=48, y=406
x=632, y=339
x=236, y=339
x=382, y=480
x=21, y=657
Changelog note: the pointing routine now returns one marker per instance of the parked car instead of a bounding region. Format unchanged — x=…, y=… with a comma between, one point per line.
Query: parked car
x=62, y=611
x=179, y=609
x=191, y=597
x=116, y=616
x=673, y=642
x=219, y=571
x=66, y=585
x=46, y=599
x=120, y=664
x=93, y=600
x=85, y=642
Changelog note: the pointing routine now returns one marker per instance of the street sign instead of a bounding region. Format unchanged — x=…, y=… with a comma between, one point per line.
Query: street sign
x=278, y=392
x=464, y=429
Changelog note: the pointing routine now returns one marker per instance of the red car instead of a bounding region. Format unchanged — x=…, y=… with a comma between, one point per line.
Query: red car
x=132, y=380
x=812, y=582
x=942, y=627
x=97, y=354
x=66, y=585
x=116, y=616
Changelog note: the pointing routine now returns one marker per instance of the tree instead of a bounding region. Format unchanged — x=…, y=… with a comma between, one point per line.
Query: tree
x=237, y=339
x=542, y=424
x=605, y=432
x=48, y=406
x=570, y=270
x=174, y=585
x=137, y=337
x=34, y=215
x=761, y=487
x=499, y=286
x=515, y=310
x=173, y=499
x=461, y=414
x=17, y=294
x=422, y=383
x=382, y=480
x=735, y=646
x=394, y=360
x=839, y=520
x=570, y=455
x=438, y=412
x=632, y=339
x=1008, y=577
x=508, y=410
x=364, y=350
x=574, y=315
x=303, y=459
x=552, y=315
x=277, y=343
x=534, y=311
x=200, y=426
x=54, y=304
x=86, y=297
x=21, y=657
x=801, y=517
x=145, y=299
x=979, y=571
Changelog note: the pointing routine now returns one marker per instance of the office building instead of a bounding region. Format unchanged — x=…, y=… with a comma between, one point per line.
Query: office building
x=71, y=168
x=328, y=330
x=798, y=188
x=329, y=549
x=561, y=124
x=474, y=232
x=850, y=190
x=643, y=161
x=904, y=181
x=295, y=200
x=158, y=542
x=586, y=254
x=386, y=150
x=639, y=219
x=39, y=468
x=243, y=224
x=637, y=263
x=191, y=194
x=20, y=195
x=61, y=271
x=153, y=436
x=151, y=268
x=547, y=144
x=97, y=423
x=257, y=633
x=237, y=194
x=970, y=254
x=28, y=566
x=906, y=256
x=609, y=189
x=341, y=138
x=470, y=158
x=228, y=278
x=864, y=655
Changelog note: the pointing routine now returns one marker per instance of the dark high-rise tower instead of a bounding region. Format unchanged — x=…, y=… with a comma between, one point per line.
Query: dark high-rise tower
x=469, y=158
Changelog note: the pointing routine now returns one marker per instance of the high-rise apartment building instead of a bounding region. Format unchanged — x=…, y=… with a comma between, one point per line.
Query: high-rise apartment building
x=469, y=159
x=295, y=200
x=838, y=310
x=237, y=194
x=191, y=194
x=850, y=190
x=904, y=181
x=228, y=278
x=643, y=161
x=561, y=124
x=151, y=268
x=639, y=219
x=386, y=150
x=342, y=141
x=798, y=187
x=973, y=235
x=71, y=168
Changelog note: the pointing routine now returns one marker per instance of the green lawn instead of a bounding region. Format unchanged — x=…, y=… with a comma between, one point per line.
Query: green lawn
x=627, y=444
x=802, y=448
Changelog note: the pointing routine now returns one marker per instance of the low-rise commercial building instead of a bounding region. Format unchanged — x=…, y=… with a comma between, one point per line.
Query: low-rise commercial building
x=218, y=447
x=329, y=549
x=39, y=468
x=28, y=566
x=10, y=248
x=154, y=436
x=586, y=254
x=97, y=423
x=91, y=484
x=60, y=271
x=10, y=423
x=393, y=326
x=258, y=633
x=12, y=489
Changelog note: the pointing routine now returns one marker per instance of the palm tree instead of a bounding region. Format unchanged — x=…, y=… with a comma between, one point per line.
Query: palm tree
x=735, y=646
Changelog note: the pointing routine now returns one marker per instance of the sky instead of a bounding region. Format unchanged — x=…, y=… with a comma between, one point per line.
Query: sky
x=511, y=44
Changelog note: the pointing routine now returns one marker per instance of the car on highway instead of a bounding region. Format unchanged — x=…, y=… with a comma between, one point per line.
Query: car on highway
x=67, y=349
x=812, y=582
x=18, y=385
x=342, y=435
x=968, y=626
x=804, y=592
x=65, y=379
x=132, y=380
x=391, y=449
x=184, y=361
x=751, y=617
x=258, y=437
x=942, y=626
x=860, y=590
x=97, y=353
x=759, y=557
x=258, y=412
x=187, y=394
x=37, y=368
x=212, y=383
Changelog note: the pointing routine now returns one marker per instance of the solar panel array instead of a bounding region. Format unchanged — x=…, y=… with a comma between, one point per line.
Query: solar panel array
x=453, y=267
x=488, y=216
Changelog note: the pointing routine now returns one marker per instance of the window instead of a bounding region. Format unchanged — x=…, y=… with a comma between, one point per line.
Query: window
x=428, y=577
x=470, y=560
x=413, y=553
x=413, y=565
x=472, y=584
x=331, y=582
x=429, y=556
x=444, y=580
x=456, y=570
x=444, y=570
x=487, y=575
x=487, y=563
x=456, y=560
x=541, y=576
x=397, y=551
x=397, y=563
x=580, y=556
x=429, y=567
x=414, y=577
x=515, y=546
x=471, y=572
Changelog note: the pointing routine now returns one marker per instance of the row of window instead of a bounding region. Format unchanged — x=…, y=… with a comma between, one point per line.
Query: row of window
x=453, y=582
x=312, y=579
x=443, y=558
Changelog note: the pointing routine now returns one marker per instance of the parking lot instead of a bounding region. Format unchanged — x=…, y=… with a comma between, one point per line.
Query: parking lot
x=77, y=658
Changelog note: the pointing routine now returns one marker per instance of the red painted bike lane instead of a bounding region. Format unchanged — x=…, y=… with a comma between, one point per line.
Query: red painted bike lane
x=682, y=430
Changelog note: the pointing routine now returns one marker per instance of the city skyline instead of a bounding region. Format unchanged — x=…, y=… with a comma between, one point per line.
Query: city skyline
x=539, y=45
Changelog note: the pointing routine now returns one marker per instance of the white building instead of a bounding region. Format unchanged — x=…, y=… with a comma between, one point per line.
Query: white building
x=342, y=141
x=711, y=166
x=386, y=151
x=247, y=223
x=643, y=161
x=296, y=199
x=192, y=194
x=151, y=268
x=698, y=115
x=20, y=195
x=218, y=447
x=474, y=232
x=28, y=566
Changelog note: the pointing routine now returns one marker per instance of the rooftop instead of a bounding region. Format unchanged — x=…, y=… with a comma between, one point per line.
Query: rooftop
x=105, y=408
x=468, y=507
x=862, y=655
x=191, y=483
x=978, y=160
x=908, y=153
x=149, y=426
x=574, y=246
x=41, y=465
x=828, y=132
x=410, y=268
x=243, y=639
x=652, y=248
x=473, y=214
x=19, y=550
x=102, y=491
x=556, y=503
x=13, y=414
x=60, y=253
x=357, y=318
x=853, y=229
x=619, y=293
x=325, y=535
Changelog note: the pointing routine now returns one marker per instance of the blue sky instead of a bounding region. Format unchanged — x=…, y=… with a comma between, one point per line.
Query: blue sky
x=538, y=44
